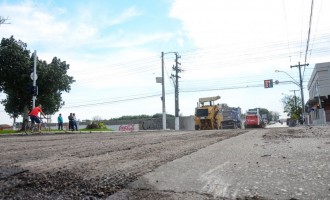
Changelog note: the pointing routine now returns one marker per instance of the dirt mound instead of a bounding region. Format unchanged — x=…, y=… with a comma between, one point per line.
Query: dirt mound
x=297, y=132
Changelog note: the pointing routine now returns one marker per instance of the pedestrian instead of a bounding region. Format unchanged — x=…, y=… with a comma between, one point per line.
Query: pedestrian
x=34, y=116
x=60, y=122
x=75, y=126
x=70, y=117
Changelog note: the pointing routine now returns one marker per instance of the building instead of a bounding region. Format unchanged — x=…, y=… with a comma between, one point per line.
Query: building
x=5, y=127
x=318, y=104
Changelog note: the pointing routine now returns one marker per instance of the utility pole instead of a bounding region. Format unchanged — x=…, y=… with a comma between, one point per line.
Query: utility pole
x=34, y=79
x=163, y=94
x=301, y=86
x=176, y=76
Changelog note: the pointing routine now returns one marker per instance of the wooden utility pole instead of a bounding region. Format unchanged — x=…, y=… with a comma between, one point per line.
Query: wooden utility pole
x=301, y=86
x=176, y=76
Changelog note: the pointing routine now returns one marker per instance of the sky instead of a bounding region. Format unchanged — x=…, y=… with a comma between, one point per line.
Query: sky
x=227, y=48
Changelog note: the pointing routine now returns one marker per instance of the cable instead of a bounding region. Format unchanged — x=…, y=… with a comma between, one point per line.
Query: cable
x=155, y=95
x=309, y=33
x=317, y=23
x=286, y=26
x=301, y=30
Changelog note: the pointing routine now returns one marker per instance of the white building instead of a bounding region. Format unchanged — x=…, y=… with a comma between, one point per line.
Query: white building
x=318, y=103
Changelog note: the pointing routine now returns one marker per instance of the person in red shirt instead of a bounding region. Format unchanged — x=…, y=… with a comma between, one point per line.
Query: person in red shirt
x=34, y=115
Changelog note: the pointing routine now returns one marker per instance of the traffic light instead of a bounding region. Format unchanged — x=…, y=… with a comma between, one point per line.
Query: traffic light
x=268, y=83
x=34, y=90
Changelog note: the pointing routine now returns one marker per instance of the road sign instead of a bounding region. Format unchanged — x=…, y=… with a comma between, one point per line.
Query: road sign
x=159, y=80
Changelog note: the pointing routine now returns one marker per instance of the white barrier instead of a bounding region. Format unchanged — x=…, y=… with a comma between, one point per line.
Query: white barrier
x=124, y=127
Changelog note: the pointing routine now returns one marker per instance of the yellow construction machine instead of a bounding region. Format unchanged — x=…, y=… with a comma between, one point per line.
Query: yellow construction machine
x=207, y=114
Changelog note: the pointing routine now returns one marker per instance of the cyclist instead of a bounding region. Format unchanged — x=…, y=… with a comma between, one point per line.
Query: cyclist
x=34, y=115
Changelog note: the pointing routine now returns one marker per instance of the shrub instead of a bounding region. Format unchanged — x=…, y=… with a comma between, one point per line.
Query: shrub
x=102, y=125
x=93, y=126
x=96, y=125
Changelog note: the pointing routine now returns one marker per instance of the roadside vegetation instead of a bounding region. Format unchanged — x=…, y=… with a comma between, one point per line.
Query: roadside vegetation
x=7, y=131
x=131, y=117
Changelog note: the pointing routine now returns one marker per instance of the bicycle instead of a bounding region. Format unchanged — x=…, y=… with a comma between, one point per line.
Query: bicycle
x=32, y=127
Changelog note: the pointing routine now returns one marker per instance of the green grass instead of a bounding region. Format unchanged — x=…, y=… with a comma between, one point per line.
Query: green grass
x=8, y=131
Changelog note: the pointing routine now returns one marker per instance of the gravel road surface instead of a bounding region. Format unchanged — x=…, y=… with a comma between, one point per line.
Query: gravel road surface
x=84, y=166
x=274, y=163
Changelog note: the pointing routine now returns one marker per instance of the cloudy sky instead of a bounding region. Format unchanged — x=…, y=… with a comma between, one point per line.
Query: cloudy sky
x=227, y=48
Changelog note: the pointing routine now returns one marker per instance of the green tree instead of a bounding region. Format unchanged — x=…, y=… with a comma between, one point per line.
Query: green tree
x=14, y=75
x=16, y=65
x=265, y=111
x=291, y=106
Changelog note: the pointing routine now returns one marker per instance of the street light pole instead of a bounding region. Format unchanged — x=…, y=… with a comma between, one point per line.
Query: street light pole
x=163, y=90
x=163, y=94
x=299, y=85
x=295, y=82
x=34, y=78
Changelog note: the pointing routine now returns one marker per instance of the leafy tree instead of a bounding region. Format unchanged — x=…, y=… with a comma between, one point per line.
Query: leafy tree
x=15, y=75
x=16, y=65
x=52, y=81
x=265, y=111
x=291, y=106
x=132, y=117
x=160, y=115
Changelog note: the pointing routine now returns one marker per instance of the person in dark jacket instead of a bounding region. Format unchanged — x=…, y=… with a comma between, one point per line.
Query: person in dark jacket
x=70, y=122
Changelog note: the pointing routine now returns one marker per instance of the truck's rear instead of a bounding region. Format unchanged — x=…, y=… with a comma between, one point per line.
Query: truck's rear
x=231, y=118
x=253, y=119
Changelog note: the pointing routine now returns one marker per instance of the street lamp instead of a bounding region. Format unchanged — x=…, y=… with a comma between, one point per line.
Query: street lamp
x=299, y=84
x=294, y=80
x=163, y=90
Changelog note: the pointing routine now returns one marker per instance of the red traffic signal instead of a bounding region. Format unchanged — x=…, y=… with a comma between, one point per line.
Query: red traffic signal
x=268, y=83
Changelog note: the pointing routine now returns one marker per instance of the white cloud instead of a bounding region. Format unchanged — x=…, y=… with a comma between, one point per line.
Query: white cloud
x=124, y=16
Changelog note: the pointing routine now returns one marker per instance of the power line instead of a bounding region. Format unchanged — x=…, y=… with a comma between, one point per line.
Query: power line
x=188, y=90
x=317, y=23
x=247, y=55
x=309, y=33
x=301, y=32
x=286, y=26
